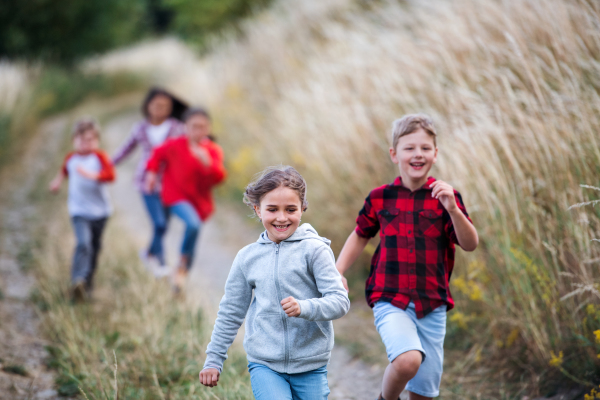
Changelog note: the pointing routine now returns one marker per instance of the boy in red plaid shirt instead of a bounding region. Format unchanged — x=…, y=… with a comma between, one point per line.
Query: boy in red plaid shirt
x=419, y=219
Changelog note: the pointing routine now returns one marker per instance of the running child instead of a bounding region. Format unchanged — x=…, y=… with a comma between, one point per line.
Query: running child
x=419, y=219
x=162, y=120
x=191, y=165
x=297, y=292
x=88, y=170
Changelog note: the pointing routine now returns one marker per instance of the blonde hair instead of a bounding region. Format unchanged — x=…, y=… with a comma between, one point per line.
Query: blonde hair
x=270, y=179
x=85, y=124
x=411, y=123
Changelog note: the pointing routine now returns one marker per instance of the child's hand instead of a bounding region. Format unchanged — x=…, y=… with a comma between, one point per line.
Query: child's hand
x=150, y=182
x=445, y=193
x=209, y=377
x=55, y=184
x=345, y=283
x=87, y=174
x=290, y=306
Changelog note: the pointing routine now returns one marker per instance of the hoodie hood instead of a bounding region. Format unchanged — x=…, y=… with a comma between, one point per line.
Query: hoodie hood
x=304, y=231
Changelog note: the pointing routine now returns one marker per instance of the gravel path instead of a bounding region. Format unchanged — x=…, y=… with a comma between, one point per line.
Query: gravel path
x=20, y=339
x=221, y=238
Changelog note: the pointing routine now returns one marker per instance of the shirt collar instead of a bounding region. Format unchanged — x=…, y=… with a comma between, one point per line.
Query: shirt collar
x=427, y=186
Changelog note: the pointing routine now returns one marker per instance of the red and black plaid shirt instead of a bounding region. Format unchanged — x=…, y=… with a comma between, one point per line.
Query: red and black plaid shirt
x=415, y=257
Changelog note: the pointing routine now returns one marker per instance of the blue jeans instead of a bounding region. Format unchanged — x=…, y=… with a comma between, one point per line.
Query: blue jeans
x=159, y=215
x=190, y=218
x=270, y=385
x=88, y=235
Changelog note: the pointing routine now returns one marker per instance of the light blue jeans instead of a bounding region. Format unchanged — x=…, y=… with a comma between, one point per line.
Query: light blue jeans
x=270, y=385
x=160, y=217
x=402, y=331
x=190, y=218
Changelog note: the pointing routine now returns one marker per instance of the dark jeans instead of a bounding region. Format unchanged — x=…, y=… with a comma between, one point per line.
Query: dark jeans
x=88, y=234
x=159, y=215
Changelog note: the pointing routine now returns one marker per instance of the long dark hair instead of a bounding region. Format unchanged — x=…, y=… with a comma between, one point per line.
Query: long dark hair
x=179, y=106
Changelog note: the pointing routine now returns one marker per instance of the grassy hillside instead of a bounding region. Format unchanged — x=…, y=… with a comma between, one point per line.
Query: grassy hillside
x=513, y=87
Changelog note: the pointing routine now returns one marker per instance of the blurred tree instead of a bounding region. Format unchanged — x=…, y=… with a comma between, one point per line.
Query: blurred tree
x=63, y=31
x=194, y=19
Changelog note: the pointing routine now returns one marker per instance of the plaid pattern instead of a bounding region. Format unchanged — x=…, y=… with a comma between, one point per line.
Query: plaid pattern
x=139, y=136
x=415, y=257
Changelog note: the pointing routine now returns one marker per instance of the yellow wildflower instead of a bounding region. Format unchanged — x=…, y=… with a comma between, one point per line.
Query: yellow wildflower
x=597, y=333
x=512, y=336
x=556, y=361
x=590, y=309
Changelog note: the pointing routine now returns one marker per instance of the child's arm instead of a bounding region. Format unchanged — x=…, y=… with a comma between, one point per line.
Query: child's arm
x=127, y=147
x=155, y=161
x=232, y=311
x=466, y=234
x=61, y=175
x=353, y=247
x=335, y=303
x=57, y=181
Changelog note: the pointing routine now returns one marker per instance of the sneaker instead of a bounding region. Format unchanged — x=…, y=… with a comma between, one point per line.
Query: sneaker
x=78, y=292
x=160, y=271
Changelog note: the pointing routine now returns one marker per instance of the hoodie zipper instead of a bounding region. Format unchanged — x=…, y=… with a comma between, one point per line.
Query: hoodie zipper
x=283, y=315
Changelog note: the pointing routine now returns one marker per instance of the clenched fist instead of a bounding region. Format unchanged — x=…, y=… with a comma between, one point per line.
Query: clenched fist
x=209, y=377
x=290, y=306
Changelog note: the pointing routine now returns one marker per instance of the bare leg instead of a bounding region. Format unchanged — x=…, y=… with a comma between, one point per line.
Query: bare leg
x=399, y=372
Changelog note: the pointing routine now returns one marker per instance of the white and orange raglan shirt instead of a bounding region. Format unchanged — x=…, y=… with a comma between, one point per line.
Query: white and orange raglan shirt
x=88, y=198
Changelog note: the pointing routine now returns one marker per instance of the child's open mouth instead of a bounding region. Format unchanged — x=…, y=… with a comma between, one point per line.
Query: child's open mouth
x=417, y=165
x=281, y=228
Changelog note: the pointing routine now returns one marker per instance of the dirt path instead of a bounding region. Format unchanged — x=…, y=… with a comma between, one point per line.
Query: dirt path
x=21, y=344
x=221, y=238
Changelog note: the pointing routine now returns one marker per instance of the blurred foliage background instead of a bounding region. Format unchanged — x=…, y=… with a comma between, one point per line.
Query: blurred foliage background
x=65, y=31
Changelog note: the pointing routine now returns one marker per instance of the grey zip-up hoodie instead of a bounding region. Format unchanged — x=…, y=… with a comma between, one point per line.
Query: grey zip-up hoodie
x=302, y=266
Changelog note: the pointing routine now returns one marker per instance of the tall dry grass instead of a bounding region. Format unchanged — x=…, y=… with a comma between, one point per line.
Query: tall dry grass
x=513, y=88
x=134, y=340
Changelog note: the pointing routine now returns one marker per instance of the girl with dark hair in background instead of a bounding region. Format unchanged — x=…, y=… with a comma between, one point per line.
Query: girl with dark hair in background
x=162, y=120
x=191, y=165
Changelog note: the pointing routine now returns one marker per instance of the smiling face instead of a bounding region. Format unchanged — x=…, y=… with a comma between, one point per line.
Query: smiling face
x=280, y=211
x=159, y=108
x=415, y=154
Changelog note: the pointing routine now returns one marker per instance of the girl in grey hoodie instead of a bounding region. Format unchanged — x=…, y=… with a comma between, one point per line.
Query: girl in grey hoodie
x=297, y=292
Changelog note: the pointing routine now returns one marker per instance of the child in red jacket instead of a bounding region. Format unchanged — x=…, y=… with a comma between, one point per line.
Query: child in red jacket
x=191, y=165
x=88, y=170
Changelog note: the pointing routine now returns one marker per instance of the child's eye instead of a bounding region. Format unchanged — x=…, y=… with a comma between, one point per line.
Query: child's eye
x=292, y=210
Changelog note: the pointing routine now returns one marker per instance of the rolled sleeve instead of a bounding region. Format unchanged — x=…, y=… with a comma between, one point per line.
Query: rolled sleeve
x=367, y=224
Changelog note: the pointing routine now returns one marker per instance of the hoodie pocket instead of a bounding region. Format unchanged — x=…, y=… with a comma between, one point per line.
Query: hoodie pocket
x=265, y=341
x=310, y=338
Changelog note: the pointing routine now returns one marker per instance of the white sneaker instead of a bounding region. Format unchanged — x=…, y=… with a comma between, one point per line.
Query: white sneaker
x=160, y=271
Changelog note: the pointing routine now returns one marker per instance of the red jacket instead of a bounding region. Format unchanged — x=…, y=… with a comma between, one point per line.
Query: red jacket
x=185, y=177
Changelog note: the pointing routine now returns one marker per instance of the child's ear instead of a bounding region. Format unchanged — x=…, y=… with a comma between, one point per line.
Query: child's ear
x=257, y=211
x=394, y=156
x=435, y=155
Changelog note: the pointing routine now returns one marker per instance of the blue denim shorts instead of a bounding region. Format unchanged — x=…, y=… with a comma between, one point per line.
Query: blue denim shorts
x=269, y=385
x=401, y=331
